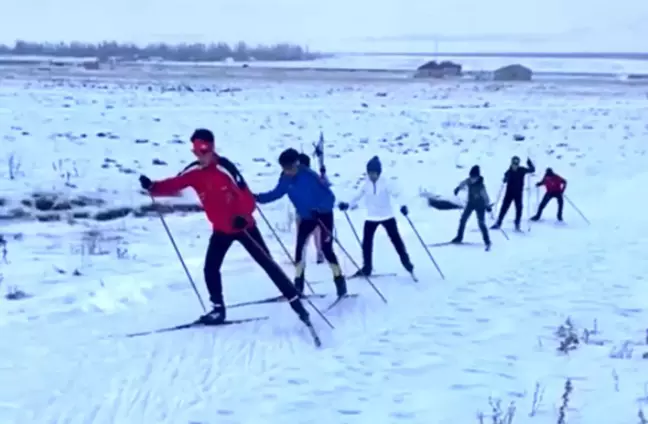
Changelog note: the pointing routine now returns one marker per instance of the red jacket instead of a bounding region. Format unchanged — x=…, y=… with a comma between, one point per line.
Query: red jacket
x=220, y=196
x=553, y=183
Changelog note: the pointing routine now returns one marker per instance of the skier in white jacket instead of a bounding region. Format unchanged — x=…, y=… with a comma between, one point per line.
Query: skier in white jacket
x=378, y=195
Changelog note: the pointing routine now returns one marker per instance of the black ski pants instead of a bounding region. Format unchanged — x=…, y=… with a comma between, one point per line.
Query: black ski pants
x=391, y=227
x=326, y=222
x=481, y=221
x=252, y=241
x=509, y=198
x=546, y=199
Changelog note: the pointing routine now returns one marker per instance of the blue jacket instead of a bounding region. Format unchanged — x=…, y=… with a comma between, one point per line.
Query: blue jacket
x=306, y=191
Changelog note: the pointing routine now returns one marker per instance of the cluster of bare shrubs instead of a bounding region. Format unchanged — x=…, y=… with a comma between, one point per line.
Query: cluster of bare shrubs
x=569, y=339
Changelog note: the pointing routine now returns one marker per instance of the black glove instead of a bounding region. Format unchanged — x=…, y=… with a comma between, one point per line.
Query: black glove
x=323, y=171
x=145, y=182
x=529, y=163
x=343, y=206
x=456, y=191
x=404, y=210
x=239, y=223
x=538, y=184
x=489, y=208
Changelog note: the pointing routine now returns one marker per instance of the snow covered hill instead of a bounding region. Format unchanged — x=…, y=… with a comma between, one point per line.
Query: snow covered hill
x=86, y=259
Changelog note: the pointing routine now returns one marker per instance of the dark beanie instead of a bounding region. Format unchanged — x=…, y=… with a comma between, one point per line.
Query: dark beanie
x=204, y=135
x=288, y=157
x=474, y=171
x=374, y=165
x=304, y=159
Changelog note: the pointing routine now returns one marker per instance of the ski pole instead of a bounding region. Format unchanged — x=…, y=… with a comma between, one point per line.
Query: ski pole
x=501, y=229
x=269, y=257
x=281, y=243
x=348, y=255
x=175, y=247
x=577, y=210
x=355, y=233
x=497, y=199
x=424, y=246
x=529, y=203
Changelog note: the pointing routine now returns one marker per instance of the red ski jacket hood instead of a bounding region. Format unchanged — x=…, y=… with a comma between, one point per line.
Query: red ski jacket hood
x=221, y=196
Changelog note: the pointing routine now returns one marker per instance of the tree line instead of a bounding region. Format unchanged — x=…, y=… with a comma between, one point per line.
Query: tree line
x=184, y=52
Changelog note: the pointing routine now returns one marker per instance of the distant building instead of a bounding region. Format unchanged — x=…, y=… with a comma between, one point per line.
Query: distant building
x=513, y=73
x=434, y=69
x=91, y=65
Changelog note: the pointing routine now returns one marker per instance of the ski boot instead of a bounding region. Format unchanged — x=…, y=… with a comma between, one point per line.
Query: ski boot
x=340, y=286
x=216, y=316
x=363, y=272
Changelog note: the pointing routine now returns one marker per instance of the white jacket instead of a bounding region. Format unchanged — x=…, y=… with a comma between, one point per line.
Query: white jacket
x=377, y=198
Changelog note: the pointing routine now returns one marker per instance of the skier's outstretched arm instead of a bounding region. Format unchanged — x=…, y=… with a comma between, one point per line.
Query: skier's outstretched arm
x=172, y=186
x=461, y=186
x=275, y=194
x=353, y=203
x=530, y=167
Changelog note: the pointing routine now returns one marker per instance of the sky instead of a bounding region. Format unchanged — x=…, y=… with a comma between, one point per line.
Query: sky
x=340, y=25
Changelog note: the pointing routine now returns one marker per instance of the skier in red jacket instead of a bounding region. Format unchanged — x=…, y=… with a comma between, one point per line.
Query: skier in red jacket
x=555, y=185
x=228, y=204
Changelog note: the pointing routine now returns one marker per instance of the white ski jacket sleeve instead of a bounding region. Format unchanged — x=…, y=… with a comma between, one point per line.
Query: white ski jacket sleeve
x=353, y=203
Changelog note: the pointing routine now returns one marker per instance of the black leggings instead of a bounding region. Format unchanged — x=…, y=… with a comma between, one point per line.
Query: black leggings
x=306, y=226
x=506, y=204
x=391, y=228
x=252, y=241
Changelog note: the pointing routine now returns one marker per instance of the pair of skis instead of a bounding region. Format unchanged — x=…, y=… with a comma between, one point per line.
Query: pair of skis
x=387, y=274
x=278, y=299
x=463, y=243
x=199, y=324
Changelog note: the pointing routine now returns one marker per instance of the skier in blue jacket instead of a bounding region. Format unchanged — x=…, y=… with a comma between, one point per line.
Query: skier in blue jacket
x=314, y=203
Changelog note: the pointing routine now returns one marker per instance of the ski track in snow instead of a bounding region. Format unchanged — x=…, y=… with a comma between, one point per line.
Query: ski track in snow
x=434, y=354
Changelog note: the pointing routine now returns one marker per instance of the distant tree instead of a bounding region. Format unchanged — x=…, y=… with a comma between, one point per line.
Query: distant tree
x=195, y=52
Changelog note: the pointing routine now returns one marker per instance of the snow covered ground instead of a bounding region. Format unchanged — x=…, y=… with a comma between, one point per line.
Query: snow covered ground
x=434, y=354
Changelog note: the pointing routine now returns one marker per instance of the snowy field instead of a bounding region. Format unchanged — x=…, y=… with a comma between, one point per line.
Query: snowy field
x=76, y=280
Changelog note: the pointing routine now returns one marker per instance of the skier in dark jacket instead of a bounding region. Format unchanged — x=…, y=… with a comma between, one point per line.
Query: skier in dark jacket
x=514, y=180
x=229, y=205
x=478, y=201
x=314, y=202
x=555, y=185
